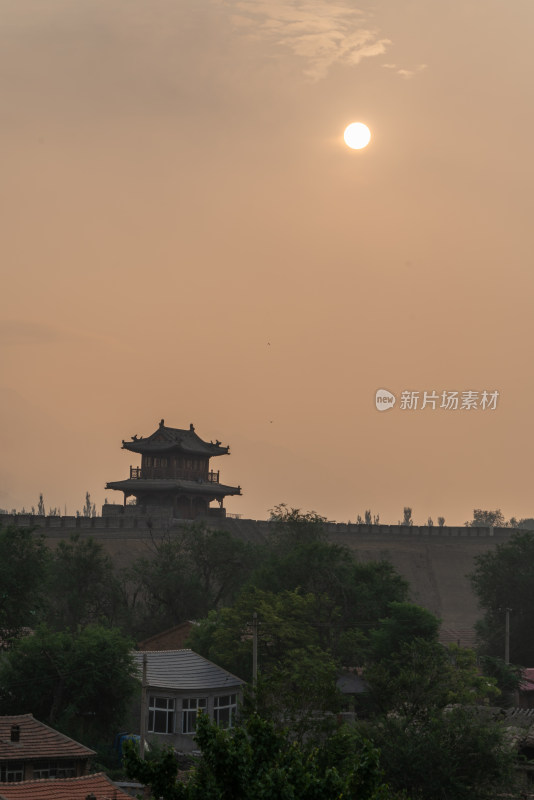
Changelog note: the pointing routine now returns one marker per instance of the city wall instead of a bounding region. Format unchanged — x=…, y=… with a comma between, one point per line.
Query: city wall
x=436, y=561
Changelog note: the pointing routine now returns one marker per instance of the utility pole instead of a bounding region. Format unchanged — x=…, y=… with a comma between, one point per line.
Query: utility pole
x=254, y=650
x=142, y=723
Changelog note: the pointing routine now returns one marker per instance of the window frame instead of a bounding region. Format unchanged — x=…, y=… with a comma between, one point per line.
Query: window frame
x=54, y=768
x=11, y=772
x=219, y=709
x=190, y=713
x=155, y=712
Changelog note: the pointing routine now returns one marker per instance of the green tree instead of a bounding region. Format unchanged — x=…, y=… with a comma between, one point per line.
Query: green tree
x=487, y=519
x=525, y=524
x=80, y=683
x=186, y=575
x=298, y=693
x=422, y=677
x=427, y=713
x=508, y=677
x=23, y=563
x=286, y=622
x=404, y=623
x=257, y=762
x=456, y=754
x=503, y=578
x=351, y=596
x=297, y=525
x=82, y=585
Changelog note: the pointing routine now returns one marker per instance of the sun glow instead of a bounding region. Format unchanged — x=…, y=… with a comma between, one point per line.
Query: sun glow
x=357, y=135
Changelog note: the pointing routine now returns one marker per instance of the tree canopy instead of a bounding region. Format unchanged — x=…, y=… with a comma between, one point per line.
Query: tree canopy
x=286, y=621
x=82, y=586
x=503, y=578
x=483, y=518
x=455, y=753
x=185, y=575
x=404, y=623
x=79, y=682
x=258, y=762
x=23, y=568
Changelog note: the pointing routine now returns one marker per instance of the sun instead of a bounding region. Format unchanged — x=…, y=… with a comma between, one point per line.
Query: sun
x=357, y=135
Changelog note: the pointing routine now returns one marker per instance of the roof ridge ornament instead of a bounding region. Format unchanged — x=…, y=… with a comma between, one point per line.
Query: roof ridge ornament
x=162, y=423
x=191, y=427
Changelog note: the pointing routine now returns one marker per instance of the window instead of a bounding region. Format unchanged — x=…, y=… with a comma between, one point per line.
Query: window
x=224, y=710
x=11, y=771
x=161, y=715
x=54, y=769
x=190, y=708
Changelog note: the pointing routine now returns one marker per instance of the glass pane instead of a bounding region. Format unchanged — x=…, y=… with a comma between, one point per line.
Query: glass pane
x=223, y=717
x=160, y=722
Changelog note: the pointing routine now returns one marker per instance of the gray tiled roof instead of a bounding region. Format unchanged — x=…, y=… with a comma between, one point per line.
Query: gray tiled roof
x=174, y=485
x=184, y=669
x=166, y=439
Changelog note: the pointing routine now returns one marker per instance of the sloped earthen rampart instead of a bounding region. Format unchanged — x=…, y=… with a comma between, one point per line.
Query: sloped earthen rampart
x=436, y=561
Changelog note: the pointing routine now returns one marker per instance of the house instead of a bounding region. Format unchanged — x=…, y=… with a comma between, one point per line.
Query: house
x=180, y=684
x=462, y=636
x=171, y=639
x=525, y=694
x=85, y=787
x=29, y=749
x=352, y=686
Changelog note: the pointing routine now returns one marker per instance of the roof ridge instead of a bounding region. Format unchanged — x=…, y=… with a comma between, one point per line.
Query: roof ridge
x=49, y=781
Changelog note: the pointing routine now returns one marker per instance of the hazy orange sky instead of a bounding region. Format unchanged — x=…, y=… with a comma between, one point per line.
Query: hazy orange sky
x=185, y=235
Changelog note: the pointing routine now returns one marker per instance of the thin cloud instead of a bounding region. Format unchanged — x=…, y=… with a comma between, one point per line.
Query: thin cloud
x=320, y=33
x=23, y=332
x=15, y=332
x=406, y=73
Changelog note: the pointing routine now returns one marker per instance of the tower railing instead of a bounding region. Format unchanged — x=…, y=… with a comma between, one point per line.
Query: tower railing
x=151, y=473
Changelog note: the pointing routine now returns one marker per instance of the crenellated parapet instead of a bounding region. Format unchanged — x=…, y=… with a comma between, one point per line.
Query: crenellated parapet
x=134, y=517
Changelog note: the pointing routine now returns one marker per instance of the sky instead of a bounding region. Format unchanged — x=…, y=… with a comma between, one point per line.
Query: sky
x=186, y=236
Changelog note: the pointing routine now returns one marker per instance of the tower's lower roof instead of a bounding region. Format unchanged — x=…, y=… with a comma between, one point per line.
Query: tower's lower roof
x=164, y=485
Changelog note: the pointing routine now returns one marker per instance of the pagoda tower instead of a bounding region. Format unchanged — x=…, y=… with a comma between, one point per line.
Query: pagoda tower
x=175, y=473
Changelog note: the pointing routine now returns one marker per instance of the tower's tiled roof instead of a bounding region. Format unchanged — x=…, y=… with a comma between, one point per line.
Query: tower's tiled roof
x=166, y=440
x=176, y=485
x=36, y=740
x=98, y=785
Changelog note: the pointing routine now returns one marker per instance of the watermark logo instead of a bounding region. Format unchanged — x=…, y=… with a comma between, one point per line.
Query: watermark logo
x=445, y=400
x=384, y=400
